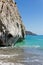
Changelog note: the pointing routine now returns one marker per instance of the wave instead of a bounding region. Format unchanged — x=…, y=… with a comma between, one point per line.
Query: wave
x=31, y=46
x=10, y=63
x=35, y=46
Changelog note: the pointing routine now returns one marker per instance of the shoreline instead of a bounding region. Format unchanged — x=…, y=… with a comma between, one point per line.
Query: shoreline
x=20, y=56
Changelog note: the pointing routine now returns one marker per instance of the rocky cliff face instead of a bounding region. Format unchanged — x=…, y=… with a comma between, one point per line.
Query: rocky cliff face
x=11, y=26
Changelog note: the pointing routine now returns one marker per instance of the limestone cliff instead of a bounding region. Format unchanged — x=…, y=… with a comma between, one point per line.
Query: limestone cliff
x=11, y=26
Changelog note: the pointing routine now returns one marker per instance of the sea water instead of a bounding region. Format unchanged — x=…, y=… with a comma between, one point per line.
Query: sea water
x=31, y=41
x=33, y=49
x=27, y=52
x=33, y=44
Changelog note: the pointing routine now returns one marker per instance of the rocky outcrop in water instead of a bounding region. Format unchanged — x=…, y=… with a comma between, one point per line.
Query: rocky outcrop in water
x=11, y=26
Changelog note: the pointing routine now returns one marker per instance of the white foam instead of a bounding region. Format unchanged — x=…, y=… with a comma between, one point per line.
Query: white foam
x=27, y=60
x=5, y=47
x=35, y=60
x=8, y=56
x=30, y=46
x=33, y=46
x=9, y=63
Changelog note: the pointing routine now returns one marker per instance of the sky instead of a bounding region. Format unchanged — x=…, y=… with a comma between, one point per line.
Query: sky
x=31, y=12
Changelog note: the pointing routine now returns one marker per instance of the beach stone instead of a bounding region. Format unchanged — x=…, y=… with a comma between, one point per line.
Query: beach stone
x=11, y=26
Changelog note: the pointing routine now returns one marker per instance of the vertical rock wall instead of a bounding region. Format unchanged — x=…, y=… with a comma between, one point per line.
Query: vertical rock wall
x=11, y=26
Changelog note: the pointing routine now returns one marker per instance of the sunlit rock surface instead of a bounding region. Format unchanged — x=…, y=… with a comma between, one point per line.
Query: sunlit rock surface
x=11, y=26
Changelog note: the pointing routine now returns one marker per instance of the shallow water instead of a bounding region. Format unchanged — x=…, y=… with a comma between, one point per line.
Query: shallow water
x=27, y=52
x=31, y=41
x=21, y=56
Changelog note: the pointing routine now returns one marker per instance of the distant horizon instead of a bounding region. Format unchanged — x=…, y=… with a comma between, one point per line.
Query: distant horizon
x=31, y=12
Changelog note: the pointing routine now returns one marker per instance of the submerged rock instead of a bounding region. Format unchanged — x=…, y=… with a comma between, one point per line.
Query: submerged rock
x=11, y=26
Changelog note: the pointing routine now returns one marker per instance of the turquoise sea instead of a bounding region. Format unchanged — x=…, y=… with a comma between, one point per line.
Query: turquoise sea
x=32, y=49
x=27, y=52
x=31, y=41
